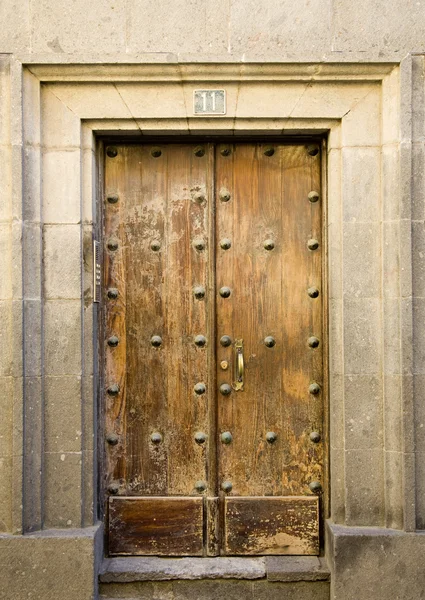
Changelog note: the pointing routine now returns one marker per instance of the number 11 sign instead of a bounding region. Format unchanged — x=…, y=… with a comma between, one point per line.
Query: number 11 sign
x=209, y=102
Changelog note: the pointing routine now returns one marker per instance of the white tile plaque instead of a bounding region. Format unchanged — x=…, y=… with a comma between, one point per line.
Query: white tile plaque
x=209, y=102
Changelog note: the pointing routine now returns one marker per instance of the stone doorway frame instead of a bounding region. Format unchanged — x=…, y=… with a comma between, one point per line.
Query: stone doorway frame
x=359, y=108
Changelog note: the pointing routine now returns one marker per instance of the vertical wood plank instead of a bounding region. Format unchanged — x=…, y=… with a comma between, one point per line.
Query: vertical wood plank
x=269, y=298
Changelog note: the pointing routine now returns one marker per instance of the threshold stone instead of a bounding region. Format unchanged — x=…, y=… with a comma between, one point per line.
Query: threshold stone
x=274, y=568
x=162, y=569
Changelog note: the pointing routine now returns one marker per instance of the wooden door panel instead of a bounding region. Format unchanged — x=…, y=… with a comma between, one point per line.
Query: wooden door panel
x=269, y=206
x=154, y=266
x=288, y=525
x=213, y=241
x=158, y=526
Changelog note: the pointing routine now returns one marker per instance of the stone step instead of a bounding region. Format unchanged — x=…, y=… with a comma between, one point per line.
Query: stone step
x=262, y=578
x=218, y=589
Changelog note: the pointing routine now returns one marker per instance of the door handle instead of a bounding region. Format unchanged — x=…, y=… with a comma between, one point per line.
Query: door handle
x=239, y=366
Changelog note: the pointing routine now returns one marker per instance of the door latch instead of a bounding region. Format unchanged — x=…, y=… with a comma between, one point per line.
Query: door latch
x=239, y=366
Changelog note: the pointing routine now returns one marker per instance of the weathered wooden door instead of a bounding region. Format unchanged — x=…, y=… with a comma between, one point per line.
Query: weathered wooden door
x=213, y=348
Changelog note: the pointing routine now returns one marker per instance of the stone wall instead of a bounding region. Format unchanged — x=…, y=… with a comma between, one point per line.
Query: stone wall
x=351, y=72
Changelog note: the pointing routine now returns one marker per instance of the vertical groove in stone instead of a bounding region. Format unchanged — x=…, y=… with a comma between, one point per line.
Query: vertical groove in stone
x=33, y=418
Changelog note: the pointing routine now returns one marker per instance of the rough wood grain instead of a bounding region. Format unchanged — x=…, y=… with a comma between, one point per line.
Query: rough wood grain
x=158, y=204
x=159, y=526
x=269, y=201
x=288, y=525
x=248, y=196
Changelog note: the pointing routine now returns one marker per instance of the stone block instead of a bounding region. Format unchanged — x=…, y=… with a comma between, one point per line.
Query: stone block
x=392, y=337
x=408, y=401
x=296, y=568
x=32, y=337
x=32, y=260
x=406, y=321
x=361, y=126
x=391, y=259
x=6, y=474
x=63, y=337
x=363, y=412
x=194, y=26
x=419, y=391
x=128, y=569
x=5, y=261
x=335, y=273
x=62, y=397
x=362, y=333
x=169, y=100
x=6, y=412
x=61, y=126
x=393, y=413
x=418, y=258
x=89, y=424
x=6, y=339
x=393, y=465
x=88, y=140
x=391, y=108
x=89, y=191
x=16, y=178
x=364, y=485
x=336, y=410
x=419, y=335
x=361, y=246
x=89, y=488
x=278, y=101
x=337, y=461
x=406, y=180
x=390, y=163
x=303, y=590
x=384, y=26
x=33, y=454
x=62, y=261
x=16, y=264
x=329, y=100
x=418, y=98
x=271, y=28
x=50, y=565
x=93, y=28
x=334, y=215
x=420, y=489
x=361, y=184
x=89, y=331
x=62, y=494
x=17, y=417
x=6, y=179
x=211, y=590
x=16, y=32
x=31, y=108
x=61, y=186
x=32, y=184
x=336, y=355
x=92, y=100
x=4, y=99
x=376, y=563
x=418, y=180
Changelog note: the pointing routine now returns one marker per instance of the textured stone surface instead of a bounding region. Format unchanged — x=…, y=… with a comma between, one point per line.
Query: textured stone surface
x=374, y=563
x=296, y=568
x=211, y=590
x=151, y=569
x=50, y=565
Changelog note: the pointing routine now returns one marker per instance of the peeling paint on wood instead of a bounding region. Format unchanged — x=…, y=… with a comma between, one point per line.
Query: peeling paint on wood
x=169, y=221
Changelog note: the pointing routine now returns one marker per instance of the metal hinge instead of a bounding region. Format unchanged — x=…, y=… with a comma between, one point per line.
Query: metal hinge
x=97, y=272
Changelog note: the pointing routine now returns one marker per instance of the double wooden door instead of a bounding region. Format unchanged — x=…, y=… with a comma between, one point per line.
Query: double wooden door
x=213, y=348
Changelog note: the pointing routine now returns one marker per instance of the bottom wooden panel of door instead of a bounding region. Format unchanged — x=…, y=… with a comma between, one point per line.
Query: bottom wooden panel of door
x=165, y=526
